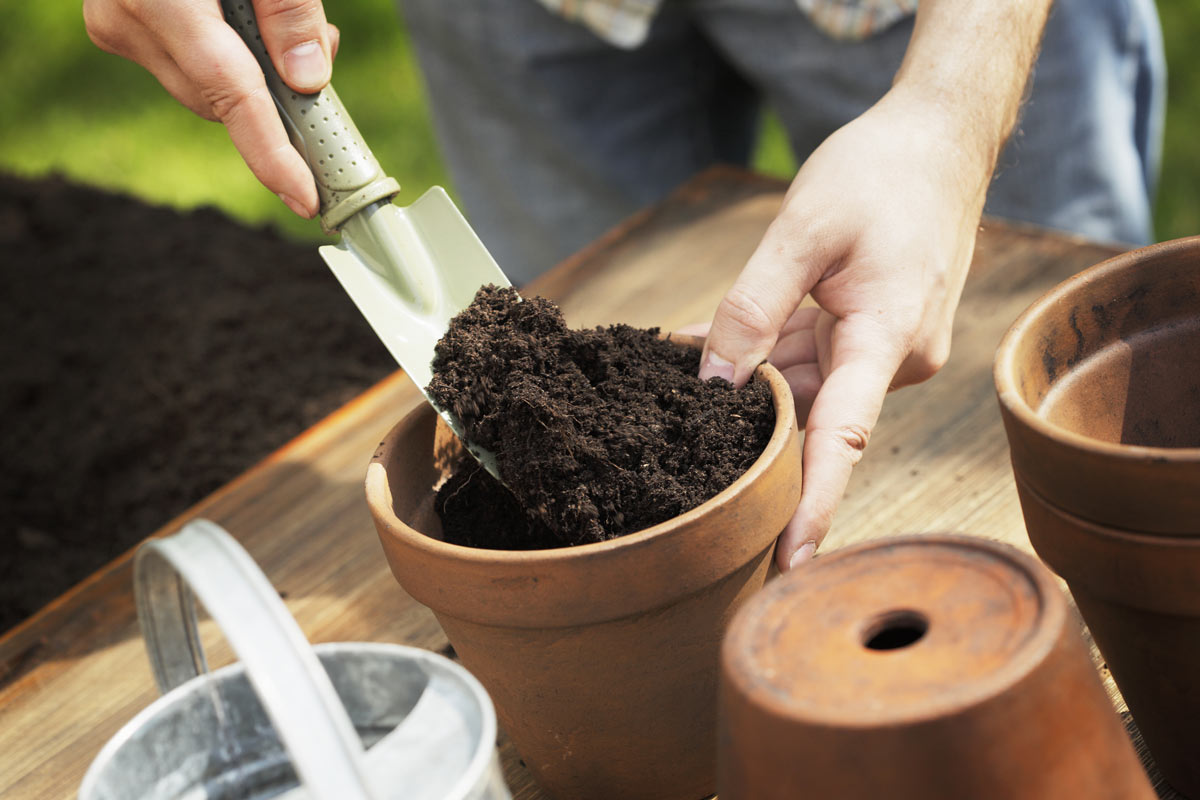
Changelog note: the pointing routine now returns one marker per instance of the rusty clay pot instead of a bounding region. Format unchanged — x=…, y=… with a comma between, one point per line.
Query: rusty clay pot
x=1099, y=385
x=602, y=659
x=1140, y=596
x=917, y=668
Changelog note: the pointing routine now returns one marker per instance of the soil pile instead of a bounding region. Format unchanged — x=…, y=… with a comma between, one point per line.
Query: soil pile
x=150, y=356
x=598, y=433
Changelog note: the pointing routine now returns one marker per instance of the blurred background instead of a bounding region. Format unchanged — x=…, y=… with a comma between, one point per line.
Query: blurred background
x=98, y=119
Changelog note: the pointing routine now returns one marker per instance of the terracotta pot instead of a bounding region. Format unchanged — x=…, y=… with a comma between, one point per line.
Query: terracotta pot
x=1099, y=385
x=917, y=667
x=602, y=659
x=1141, y=598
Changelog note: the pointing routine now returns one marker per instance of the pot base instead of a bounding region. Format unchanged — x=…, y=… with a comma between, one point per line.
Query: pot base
x=1138, y=595
x=917, y=668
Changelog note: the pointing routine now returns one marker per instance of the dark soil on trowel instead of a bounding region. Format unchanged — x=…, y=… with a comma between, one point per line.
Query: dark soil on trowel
x=149, y=356
x=598, y=433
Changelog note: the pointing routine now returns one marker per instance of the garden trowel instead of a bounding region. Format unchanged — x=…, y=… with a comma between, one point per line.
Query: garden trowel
x=408, y=269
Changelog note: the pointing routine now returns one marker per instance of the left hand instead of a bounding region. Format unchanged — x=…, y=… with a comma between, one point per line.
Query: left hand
x=878, y=227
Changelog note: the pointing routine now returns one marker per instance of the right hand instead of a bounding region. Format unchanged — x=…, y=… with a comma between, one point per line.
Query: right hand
x=204, y=64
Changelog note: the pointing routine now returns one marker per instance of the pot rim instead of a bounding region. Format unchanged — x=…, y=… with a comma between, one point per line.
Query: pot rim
x=1122, y=535
x=1004, y=366
x=1148, y=571
x=379, y=493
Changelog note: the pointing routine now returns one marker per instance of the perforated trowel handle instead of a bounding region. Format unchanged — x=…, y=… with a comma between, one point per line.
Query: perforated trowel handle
x=347, y=174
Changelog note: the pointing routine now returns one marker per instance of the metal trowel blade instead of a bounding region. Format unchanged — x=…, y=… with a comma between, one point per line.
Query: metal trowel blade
x=409, y=269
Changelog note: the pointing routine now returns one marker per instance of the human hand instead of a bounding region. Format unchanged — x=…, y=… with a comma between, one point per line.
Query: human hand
x=878, y=227
x=204, y=64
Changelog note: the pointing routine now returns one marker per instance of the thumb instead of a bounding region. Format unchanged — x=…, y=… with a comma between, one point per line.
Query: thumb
x=297, y=38
x=749, y=318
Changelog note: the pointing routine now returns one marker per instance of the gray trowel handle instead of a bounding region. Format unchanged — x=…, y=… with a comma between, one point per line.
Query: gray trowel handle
x=347, y=174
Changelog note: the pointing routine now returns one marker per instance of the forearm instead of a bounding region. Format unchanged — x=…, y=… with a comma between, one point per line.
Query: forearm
x=970, y=60
x=878, y=228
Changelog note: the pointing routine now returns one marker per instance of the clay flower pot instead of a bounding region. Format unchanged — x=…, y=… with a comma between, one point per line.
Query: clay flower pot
x=931, y=667
x=602, y=659
x=1099, y=386
x=1140, y=596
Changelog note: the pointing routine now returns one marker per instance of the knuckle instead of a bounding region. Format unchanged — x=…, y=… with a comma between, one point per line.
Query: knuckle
x=96, y=21
x=99, y=38
x=852, y=439
x=924, y=361
x=744, y=312
x=227, y=102
x=135, y=8
x=928, y=362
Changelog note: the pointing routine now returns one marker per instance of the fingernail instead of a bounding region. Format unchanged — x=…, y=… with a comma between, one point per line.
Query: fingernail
x=295, y=206
x=805, y=553
x=306, y=65
x=716, y=367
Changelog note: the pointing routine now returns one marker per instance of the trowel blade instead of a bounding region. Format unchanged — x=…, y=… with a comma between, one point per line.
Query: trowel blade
x=410, y=269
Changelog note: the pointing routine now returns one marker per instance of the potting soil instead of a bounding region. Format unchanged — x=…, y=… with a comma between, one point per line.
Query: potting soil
x=597, y=433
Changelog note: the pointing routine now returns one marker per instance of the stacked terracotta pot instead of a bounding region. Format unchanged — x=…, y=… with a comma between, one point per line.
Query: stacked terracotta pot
x=602, y=659
x=1099, y=385
x=922, y=668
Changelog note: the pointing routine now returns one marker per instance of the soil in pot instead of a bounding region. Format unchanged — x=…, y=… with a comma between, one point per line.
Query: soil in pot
x=597, y=433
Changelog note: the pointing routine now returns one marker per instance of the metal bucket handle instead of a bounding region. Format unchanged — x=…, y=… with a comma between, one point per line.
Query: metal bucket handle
x=204, y=560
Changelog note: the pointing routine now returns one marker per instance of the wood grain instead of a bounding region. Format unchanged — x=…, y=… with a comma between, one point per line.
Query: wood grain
x=74, y=673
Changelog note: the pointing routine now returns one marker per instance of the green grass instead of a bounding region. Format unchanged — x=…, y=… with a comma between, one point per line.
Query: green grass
x=1178, y=210
x=97, y=118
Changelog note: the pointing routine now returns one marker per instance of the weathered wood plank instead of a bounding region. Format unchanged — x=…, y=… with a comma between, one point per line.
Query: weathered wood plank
x=72, y=675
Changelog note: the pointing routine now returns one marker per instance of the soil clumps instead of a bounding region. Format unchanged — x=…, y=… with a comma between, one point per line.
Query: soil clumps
x=597, y=433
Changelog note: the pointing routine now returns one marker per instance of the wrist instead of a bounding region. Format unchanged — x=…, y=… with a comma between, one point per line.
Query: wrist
x=950, y=136
x=968, y=63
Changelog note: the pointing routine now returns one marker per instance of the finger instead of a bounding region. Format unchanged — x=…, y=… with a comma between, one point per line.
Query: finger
x=799, y=347
x=214, y=58
x=803, y=319
x=695, y=329
x=839, y=425
x=784, y=267
x=168, y=73
x=297, y=39
x=334, y=33
x=116, y=31
x=111, y=28
x=805, y=382
x=803, y=553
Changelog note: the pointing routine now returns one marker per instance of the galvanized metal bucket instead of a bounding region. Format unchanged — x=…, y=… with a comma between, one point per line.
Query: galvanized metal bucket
x=351, y=721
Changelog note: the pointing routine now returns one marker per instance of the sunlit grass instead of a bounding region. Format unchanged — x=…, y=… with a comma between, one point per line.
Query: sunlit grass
x=773, y=156
x=1178, y=211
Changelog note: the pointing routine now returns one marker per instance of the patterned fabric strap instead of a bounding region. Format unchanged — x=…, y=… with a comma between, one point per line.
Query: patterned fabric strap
x=625, y=23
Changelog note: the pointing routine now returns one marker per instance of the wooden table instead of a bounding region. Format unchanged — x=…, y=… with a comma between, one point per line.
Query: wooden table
x=938, y=461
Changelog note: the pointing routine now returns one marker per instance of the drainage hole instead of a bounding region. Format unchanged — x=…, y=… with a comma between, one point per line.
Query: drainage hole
x=895, y=630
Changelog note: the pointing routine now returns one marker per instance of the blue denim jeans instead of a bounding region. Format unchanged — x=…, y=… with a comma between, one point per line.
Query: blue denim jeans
x=552, y=135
